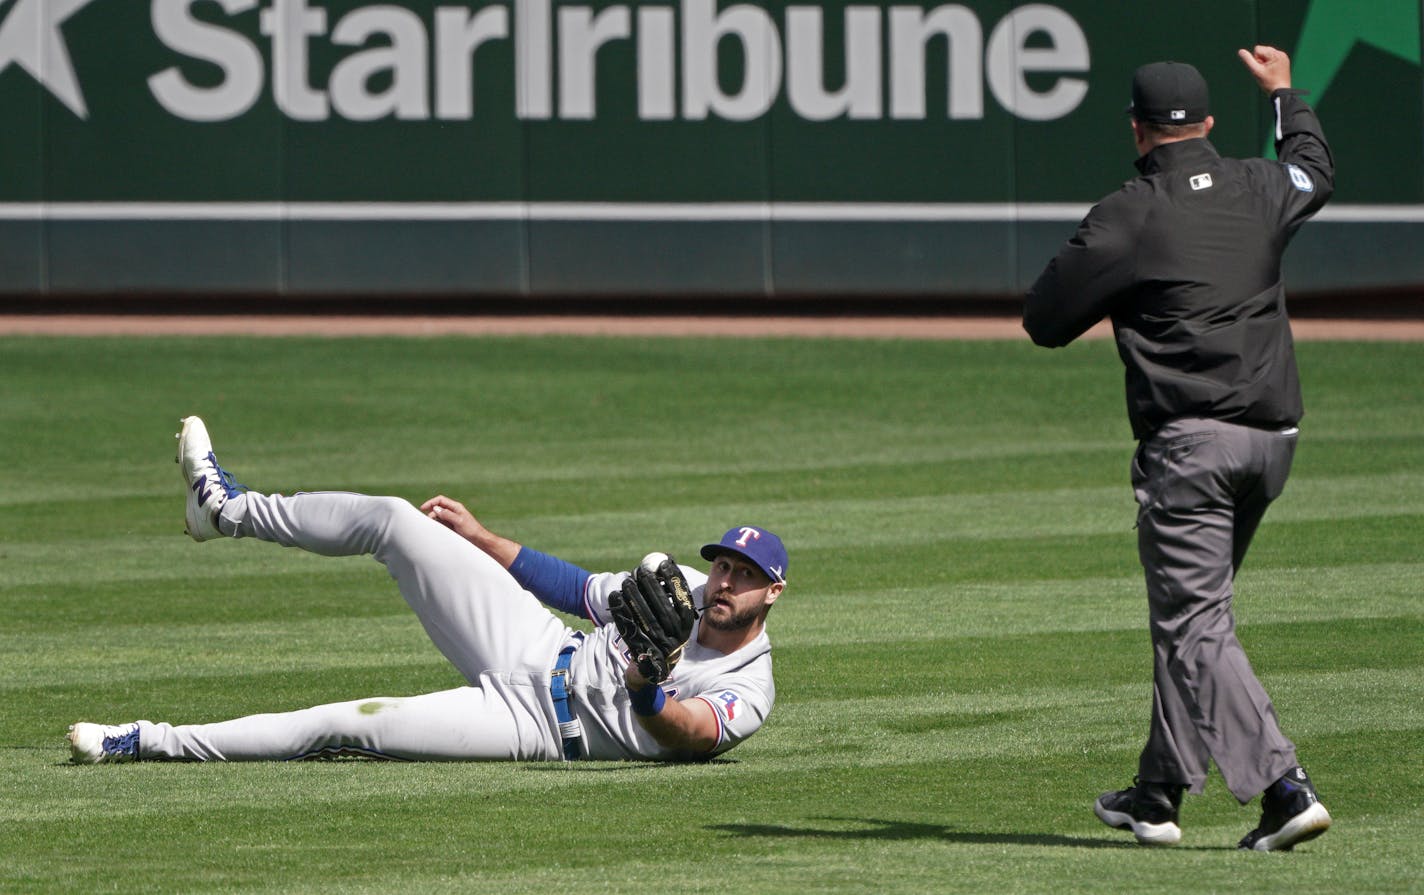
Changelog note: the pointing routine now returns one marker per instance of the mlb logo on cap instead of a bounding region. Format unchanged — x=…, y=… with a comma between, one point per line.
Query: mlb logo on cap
x=756, y=545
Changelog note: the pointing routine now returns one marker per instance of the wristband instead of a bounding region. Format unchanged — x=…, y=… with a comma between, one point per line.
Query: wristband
x=647, y=700
x=555, y=582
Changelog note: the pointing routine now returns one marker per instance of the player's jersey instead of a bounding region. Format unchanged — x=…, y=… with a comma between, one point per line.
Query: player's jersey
x=738, y=686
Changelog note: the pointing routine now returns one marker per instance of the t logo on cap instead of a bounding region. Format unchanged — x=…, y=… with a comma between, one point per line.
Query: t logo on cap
x=757, y=546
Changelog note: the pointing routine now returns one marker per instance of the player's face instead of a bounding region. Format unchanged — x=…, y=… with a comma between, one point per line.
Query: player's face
x=737, y=594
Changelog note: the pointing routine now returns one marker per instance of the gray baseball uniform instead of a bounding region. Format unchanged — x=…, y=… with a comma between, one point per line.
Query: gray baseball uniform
x=497, y=635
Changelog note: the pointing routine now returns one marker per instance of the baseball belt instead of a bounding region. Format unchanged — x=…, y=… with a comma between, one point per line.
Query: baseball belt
x=570, y=730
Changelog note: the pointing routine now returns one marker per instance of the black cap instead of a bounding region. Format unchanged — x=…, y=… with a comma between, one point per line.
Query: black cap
x=1169, y=93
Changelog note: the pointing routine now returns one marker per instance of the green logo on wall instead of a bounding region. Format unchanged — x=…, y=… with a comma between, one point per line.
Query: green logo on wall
x=1333, y=27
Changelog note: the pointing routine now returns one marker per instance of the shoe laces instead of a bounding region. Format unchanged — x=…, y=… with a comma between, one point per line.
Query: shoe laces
x=230, y=486
x=122, y=744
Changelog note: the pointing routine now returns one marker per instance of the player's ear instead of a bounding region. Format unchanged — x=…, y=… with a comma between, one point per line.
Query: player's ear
x=1207, y=125
x=773, y=592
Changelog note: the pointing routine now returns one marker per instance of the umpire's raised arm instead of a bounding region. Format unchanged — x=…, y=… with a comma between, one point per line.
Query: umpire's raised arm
x=1299, y=138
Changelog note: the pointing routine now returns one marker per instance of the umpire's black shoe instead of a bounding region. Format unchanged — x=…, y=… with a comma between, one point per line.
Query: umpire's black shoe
x=1290, y=813
x=1149, y=810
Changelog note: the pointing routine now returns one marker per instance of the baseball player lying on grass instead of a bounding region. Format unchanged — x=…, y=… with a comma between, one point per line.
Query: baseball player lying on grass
x=678, y=667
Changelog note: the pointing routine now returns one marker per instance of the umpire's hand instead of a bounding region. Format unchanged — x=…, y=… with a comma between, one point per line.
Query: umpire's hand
x=1269, y=66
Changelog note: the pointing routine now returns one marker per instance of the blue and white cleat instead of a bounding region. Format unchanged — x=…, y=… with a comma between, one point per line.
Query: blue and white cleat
x=209, y=485
x=103, y=743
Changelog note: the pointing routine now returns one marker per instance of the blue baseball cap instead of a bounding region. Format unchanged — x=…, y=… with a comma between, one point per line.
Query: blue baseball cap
x=757, y=545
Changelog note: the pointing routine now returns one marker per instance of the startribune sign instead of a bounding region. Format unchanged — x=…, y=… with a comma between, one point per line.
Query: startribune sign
x=574, y=145
x=393, y=63
x=674, y=101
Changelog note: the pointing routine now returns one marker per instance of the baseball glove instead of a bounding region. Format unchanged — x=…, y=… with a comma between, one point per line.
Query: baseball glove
x=654, y=615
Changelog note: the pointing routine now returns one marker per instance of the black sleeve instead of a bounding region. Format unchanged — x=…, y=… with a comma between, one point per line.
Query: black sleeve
x=1300, y=143
x=1080, y=285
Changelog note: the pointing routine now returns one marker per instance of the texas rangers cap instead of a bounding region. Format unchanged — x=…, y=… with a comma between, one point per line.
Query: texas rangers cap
x=757, y=545
x=1169, y=93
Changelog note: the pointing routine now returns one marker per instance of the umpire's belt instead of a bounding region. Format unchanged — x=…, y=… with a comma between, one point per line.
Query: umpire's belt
x=570, y=730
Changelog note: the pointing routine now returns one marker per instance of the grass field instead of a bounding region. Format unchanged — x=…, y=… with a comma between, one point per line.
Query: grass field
x=962, y=657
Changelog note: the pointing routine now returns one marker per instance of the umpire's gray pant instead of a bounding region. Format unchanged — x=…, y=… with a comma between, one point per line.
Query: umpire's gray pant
x=1202, y=487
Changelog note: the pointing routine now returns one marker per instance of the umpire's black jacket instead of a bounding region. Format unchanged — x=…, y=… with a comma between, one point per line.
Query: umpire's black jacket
x=1186, y=260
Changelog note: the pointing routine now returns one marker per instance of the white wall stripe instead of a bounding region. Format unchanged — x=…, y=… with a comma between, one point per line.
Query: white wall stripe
x=612, y=211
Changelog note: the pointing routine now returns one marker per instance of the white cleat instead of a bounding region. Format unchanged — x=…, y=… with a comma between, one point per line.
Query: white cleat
x=103, y=743
x=209, y=485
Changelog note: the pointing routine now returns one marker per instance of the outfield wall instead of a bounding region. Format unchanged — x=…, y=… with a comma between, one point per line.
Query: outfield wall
x=685, y=147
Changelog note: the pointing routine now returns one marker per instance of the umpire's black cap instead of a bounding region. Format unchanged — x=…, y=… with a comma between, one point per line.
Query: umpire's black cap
x=1169, y=93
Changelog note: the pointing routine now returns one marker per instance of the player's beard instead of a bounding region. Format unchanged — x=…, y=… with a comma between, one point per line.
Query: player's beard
x=737, y=621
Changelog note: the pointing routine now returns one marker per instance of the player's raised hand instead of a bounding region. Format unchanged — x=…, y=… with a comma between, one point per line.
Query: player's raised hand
x=453, y=515
x=1269, y=66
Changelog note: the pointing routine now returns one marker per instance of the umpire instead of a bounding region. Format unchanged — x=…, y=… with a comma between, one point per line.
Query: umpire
x=1186, y=261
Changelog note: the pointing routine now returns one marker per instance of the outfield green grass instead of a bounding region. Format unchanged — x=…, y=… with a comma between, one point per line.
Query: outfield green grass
x=962, y=657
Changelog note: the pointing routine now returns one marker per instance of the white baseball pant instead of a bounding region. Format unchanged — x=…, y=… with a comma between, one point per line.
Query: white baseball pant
x=499, y=637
